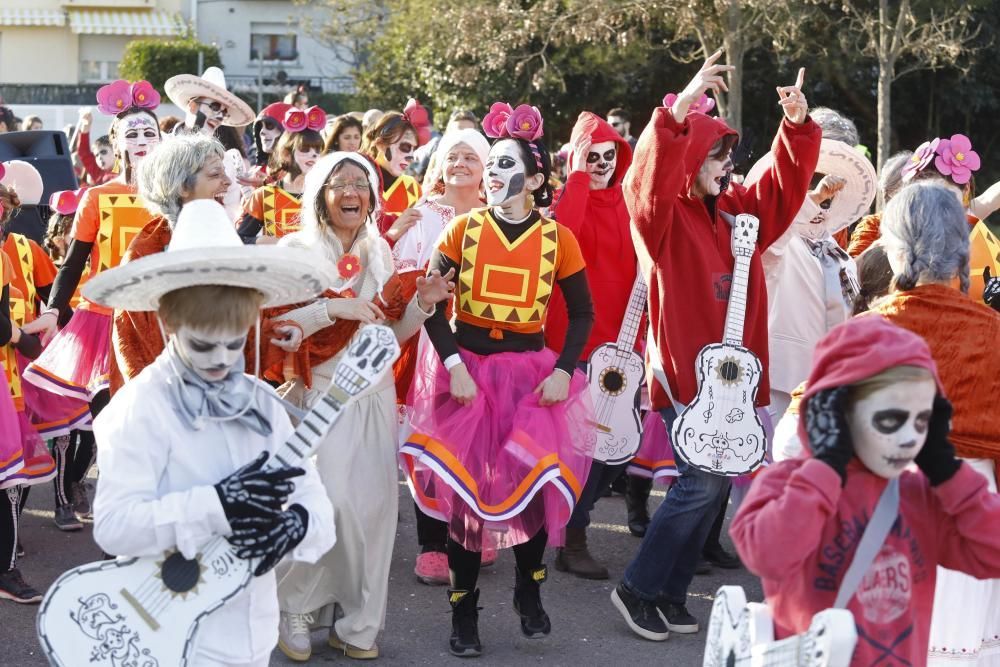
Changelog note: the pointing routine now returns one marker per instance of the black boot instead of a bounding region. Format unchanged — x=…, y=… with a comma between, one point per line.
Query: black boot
x=636, y=498
x=528, y=602
x=464, y=640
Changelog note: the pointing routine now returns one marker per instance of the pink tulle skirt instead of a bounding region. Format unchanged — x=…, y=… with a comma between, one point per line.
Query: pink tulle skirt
x=50, y=414
x=503, y=468
x=39, y=466
x=11, y=450
x=76, y=362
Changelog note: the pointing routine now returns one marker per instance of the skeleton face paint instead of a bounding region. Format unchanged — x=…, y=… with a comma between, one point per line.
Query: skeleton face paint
x=215, y=113
x=399, y=154
x=269, y=134
x=212, y=355
x=601, y=161
x=713, y=177
x=136, y=137
x=505, y=173
x=104, y=157
x=889, y=426
x=305, y=160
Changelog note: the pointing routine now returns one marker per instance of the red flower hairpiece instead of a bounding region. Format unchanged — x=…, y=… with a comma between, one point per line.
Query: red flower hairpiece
x=65, y=202
x=120, y=95
x=416, y=115
x=297, y=120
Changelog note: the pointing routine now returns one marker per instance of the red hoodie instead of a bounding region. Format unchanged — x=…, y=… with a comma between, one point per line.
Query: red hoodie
x=600, y=222
x=685, y=252
x=798, y=528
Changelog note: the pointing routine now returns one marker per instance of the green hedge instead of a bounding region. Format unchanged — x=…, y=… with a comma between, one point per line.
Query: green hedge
x=156, y=60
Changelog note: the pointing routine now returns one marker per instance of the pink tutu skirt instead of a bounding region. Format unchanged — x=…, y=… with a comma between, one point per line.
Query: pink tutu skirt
x=11, y=450
x=503, y=468
x=76, y=362
x=50, y=414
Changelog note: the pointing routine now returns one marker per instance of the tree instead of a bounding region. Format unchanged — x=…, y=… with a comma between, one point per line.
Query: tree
x=904, y=38
x=156, y=60
x=348, y=27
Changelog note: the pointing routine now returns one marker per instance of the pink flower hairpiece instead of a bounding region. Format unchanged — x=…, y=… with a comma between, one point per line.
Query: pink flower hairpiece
x=297, y=120
x=120, y=95
x=703, y=105
x=417, y=116
x=65, y=202
x=952, y=157
x=525, y=122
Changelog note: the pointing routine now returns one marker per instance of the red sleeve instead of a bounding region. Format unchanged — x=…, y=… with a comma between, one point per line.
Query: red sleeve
x=87, y=159
x=254, y=205
x=655, y=179
x=780, y=523
x=86, y=223
x=777, y=197
x=572, y=204
x=42, y=266
x=966, y=509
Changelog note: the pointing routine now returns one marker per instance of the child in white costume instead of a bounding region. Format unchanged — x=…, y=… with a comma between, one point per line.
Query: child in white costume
x=182, y=446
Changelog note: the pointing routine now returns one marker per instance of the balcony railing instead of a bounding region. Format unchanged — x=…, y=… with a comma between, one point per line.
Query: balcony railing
x=271, y=85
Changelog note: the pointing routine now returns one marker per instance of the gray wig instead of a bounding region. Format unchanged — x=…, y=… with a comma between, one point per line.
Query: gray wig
x=835, y=125
x=891, y=178
x=172, y=168
x=926, y=224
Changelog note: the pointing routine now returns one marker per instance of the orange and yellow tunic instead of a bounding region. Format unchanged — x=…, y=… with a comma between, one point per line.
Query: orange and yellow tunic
x=31, y=268
x=401, y=194
x=272, y=209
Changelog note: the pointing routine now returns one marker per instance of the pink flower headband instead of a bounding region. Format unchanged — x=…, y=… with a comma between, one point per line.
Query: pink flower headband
x=525, y=122
x=119, y=96
x=952, y=157
x=65, y=202
x=416, y=115
x=703, y=105
x=297, y=120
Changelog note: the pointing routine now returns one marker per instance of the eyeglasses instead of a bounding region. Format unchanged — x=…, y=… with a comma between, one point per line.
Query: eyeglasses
x=359, y=186
x=216, y=106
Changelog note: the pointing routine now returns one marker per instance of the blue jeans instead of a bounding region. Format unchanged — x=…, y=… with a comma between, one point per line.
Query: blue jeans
x=600, y=476
x=666, y=560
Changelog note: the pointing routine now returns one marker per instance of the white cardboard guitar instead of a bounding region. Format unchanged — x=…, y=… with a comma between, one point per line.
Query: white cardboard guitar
x=144, y=612
x=743, y=634
x=615, y=373
x=719, y=431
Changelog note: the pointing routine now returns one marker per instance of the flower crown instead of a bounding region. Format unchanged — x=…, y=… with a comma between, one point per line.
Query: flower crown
x=297, y=120
x=417, y=116
x=525, y=122
x=120, y=96
x=65, y=202
x=952, y=157
x=703, y=105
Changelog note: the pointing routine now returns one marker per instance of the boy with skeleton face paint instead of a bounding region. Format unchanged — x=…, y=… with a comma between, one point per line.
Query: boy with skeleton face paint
x=498, y=402
x=592, y=206
x=873, y=409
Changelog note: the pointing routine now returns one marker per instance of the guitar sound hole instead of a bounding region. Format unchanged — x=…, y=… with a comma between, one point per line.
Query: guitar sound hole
x=613, y=381
x=179, y=574
x=729, y=371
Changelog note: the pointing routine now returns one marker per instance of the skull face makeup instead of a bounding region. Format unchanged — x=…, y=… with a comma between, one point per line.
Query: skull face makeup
x=136, y=136
x=270, y=132
x=212, y=355
x=398, y=155
x=889, y=426
x=505, y=173
x=601, y=161
x=104, y=156
x=305, y=160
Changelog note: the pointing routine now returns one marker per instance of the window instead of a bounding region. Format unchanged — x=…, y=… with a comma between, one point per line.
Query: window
x=273, y=47
x=98, y=71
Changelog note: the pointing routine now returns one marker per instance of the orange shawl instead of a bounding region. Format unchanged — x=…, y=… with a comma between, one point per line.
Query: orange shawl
x=962, y=335
x=869, y=230
x=322, y=345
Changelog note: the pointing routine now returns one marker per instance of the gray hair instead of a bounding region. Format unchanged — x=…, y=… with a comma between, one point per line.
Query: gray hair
x=925, y=225
x=891, y=178
x=835, y=125
x=172, y=168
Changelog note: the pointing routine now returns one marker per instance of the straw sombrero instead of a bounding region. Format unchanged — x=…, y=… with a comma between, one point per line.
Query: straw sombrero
x=182, y=88
x=206, y=250
x=838, y=159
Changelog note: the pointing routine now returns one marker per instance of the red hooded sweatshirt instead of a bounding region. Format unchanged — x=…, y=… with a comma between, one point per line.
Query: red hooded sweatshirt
x=685, y=252
x=600, y=222
x=798, y=528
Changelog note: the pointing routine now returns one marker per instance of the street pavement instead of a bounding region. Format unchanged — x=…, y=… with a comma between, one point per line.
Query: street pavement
x=586, y=629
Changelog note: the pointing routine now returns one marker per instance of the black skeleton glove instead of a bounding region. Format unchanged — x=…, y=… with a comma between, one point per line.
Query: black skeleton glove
x=254, y=492
x=937, y=459
x=991, y=293
x=269, y=539
x=826, y=428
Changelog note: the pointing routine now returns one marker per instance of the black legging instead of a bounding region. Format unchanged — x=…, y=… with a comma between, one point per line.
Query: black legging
x=9, y=513
x=432, y=534
x=74, y=454
x=464, y=564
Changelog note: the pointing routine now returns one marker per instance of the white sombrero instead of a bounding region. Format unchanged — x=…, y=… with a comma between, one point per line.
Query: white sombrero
x=183, y=88
x=206, y=250
x=838, y=159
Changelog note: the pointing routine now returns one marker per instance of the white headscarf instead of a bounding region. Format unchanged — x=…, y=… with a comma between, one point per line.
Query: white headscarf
x=471, y=138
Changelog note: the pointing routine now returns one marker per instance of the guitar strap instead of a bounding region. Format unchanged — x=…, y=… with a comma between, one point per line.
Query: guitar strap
x=871, y=542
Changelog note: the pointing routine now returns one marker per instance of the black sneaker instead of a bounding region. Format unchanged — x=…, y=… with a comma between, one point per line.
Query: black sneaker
x=13, y=587
x=65, y=519
x=677, y=617
x=81, y=503
x=641, y=615
x=535, y=622
x=464, y=640
x=719, y=557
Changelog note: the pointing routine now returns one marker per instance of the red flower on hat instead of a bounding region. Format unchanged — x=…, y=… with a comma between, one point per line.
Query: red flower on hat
x=65, y=202
x=295, y=120
x=495, y=121
x=956, y=158
x=525, y=123
x=416, y=115
x=349, y=266
x=315, y=118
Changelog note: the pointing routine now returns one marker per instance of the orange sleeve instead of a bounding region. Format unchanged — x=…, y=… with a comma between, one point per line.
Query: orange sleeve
x=451, y=239
x=6, y=272
x=254, y=205
x=570, y=259
x=866, y=233
x=86, y=223
x=44, y=269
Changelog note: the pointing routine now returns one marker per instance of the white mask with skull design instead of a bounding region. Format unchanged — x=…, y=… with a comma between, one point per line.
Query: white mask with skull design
x=602, y=159
x=136, y=135
x=505, y=173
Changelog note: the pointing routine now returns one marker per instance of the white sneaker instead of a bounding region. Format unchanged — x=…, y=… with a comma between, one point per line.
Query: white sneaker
x=294, y=637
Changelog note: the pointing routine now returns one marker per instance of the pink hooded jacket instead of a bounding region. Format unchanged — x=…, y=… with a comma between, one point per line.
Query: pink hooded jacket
x=798, y=528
